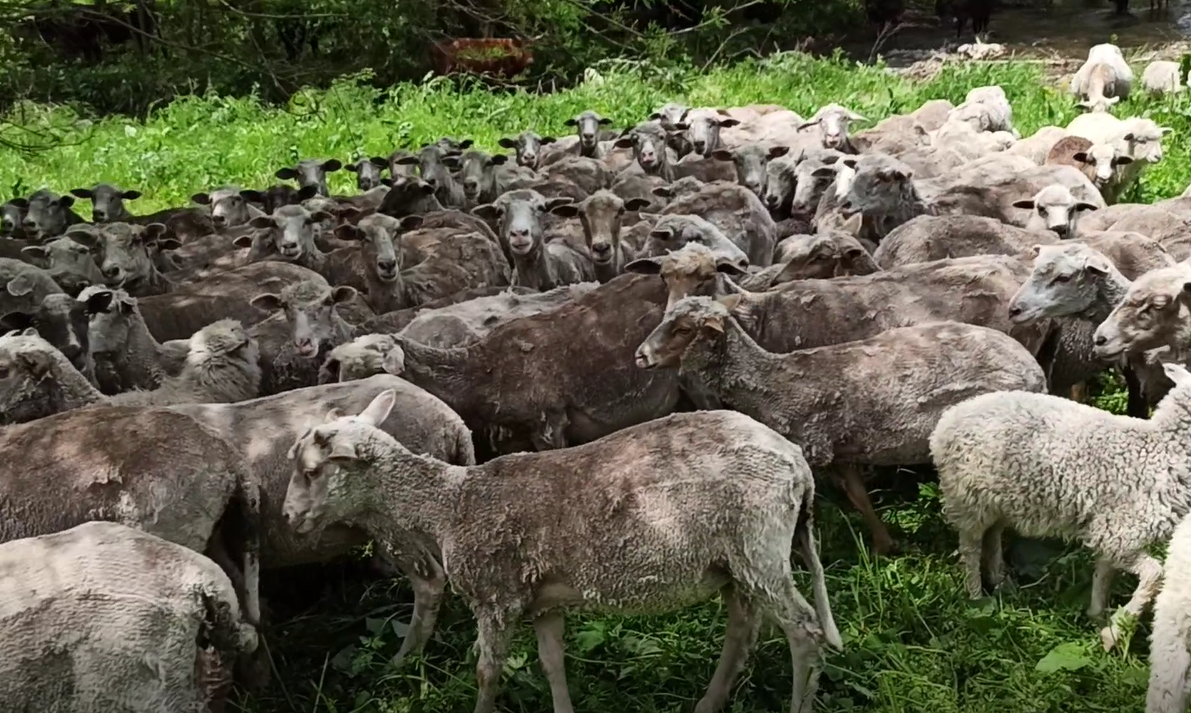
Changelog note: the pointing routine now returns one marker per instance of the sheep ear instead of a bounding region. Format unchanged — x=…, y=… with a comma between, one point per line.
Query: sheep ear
x=393, y=361
x=729, y=301
x=1177, y=373
x=334, y=415
x=1086, y=206
x=1024, y=205
x=715, y=324
x=645, y=266
x=379, y=409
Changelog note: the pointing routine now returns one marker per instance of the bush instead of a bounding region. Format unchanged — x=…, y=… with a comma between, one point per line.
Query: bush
x=913, y=642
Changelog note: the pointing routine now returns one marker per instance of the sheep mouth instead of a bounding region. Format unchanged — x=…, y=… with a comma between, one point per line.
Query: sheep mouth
x=1108, y=351
x=521, y=248
x=307, y=351
x=647, y=162
x=291, y=253
x=386, y=275
x=644, y=363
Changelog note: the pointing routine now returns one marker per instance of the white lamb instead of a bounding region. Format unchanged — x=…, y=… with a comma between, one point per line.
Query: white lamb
x=1050, y=467
x=1104, y=79
x=1170, y=659
x=1162, y=77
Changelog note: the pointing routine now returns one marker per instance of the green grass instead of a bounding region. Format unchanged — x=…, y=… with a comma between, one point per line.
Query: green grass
x=913, y=642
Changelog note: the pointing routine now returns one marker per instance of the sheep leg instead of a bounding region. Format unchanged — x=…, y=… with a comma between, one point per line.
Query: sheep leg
x=1149, y=579
x=1079, y=392
x=1101, y=584
x=739, y=638
x=797, y=619
x=549, y=628
x=429, y=582
x=994, y=555
x=849, y=478
x=493, y=644
x=552, y=432
x=1138, y=407
x=971, y=550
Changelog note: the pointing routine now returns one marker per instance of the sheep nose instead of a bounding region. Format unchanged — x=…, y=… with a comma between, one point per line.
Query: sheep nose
x=1060, y=229
x=71, y=351
x=699, y=146
x=218, y=221
x=99, y=215
x=1100, y=340
x=112, y=271
x=1014, y=310
x=389, y=264
x=772, y=201
x=29, y=225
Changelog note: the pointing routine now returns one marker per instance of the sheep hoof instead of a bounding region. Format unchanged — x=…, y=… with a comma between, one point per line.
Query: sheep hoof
x=1108, y=637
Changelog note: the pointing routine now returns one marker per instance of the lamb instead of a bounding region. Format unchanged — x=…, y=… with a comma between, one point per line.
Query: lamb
x=1170, y=659
x=1020, y=460
x=984, y=109
x=621, y=562
x=1104, y=79
x=928, y=237
x=1054, y=208
x=540, y=264
x=1162, y=77
x=103, y=612
x=937, y=364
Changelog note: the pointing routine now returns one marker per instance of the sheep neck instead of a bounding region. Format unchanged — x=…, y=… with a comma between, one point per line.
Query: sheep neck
x=743, y=375
x=536, y=268
x=73, y=389
x=442, y=372
x=412, y=496
x=220, y=379
x=1110, y=292
x=384, y=297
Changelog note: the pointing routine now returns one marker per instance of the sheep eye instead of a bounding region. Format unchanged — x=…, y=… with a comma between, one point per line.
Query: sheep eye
x=3, y=372
x=1062, y=278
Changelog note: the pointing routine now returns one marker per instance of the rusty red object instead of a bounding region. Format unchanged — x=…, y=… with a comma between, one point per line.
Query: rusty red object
x=498, y=57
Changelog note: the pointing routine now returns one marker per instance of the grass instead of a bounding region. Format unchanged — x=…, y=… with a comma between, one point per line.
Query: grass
x=913, y=642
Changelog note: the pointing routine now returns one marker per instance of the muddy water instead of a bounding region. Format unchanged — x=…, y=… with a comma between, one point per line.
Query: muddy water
x=1065, y=29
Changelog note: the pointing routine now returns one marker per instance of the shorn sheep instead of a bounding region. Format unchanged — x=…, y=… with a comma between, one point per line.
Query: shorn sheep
x=1049, y=467
x=654, y=517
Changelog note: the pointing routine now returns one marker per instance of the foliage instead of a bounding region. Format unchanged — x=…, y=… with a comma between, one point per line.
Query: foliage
x=913, y=641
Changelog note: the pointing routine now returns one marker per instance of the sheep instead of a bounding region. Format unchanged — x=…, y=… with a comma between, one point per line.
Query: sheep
x=672, y=232
x=47, y=215
x=221, y=367
x=24, y=286
x=1170, y=634
x=702, y=129
x=587, y=174
x=527, y=147
x=468, y=321
x=587, y=126
x=434, y=171
x=937, y=364
x=311, y=173
x=1020, y=460
x=1080, y=284
x=306, y=314
x=368, y=171
x=125, y=354
x=1037, y=146
x=107, y=206
x=61, y=320
x=819, y=256
x=1150, y=316
x=984, y=109
x=1162, y=77
x=363, y=357
x=813, y=313
x=125, y=252
x=1139, y=139
x=540, y=264
x=737, y=212
x=832, y=121
x=484, y=177
x=1096, y=161
x=266, y=428
x=104, y=613
x=230, y=207
x=12, y=217
x=601, y=215
x=648, y=142
x=69, y=264
x=927, y=238
x=578, y=359
x=378, y=258
x=621, y=562
x=751, y=163
x=1104, y=79
x=1054, y=208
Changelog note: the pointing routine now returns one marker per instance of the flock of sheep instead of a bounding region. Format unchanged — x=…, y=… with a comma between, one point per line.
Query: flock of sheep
x=598, y=374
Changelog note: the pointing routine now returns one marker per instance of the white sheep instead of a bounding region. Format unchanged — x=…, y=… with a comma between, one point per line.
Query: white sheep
x=1170, y=658
x=1054, y=208
x=1049, y=467
x=1162, y=77
x=1104, y=79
